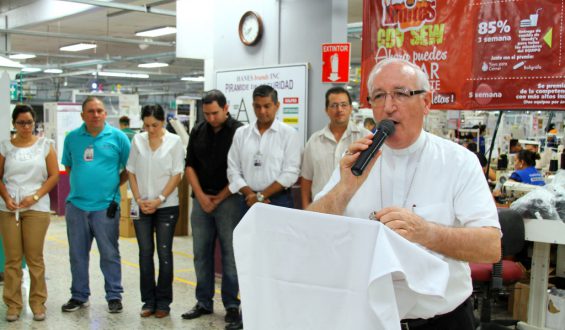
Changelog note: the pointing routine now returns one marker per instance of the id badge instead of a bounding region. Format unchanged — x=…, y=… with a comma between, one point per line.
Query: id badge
x=88, y=154
x=258, y=159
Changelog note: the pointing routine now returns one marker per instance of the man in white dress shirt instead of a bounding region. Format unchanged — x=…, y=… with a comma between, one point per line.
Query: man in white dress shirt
x=326, y=146
x=427, y=189
x=264, y=159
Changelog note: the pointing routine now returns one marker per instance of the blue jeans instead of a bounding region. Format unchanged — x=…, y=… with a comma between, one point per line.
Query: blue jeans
x=162, y=223
x=205, y=228
x=283, y=199
x=82, y=227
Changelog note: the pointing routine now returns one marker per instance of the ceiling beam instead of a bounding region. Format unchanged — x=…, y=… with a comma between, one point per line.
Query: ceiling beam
x=11, y=52
x=159, y=79
x=61, y=75
x=152, y=4
x=144, y=9
x=117, y=59
x=84, y=37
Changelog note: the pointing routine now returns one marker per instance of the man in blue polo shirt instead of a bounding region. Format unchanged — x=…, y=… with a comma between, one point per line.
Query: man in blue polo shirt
x=94, y=155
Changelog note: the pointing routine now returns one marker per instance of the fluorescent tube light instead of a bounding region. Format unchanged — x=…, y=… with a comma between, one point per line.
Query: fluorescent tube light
x=152, y=65
x=53, y=71
x=122, y=74
x=9, y=63
x=30, y=69
x=157, y=32
x=195, y=79
x=21, y=56
x=77, y=47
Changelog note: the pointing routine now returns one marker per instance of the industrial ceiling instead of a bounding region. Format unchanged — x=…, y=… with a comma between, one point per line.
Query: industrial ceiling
x=29, y=28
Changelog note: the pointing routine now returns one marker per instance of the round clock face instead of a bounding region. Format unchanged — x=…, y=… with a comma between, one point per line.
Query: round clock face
x=250, y=28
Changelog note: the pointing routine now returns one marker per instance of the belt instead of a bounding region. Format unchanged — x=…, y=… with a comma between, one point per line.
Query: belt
x=413, y=324
x=416, y=323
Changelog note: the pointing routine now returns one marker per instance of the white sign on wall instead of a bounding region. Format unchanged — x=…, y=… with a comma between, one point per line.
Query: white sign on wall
x=290, y=81
x=60, y=119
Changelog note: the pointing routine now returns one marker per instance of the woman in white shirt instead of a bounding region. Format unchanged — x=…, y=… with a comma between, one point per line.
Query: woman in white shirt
x=155, y=167
x=28, y=171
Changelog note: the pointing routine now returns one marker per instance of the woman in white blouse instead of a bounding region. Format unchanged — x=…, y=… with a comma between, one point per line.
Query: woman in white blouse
x=28, y=171
x=155, y=166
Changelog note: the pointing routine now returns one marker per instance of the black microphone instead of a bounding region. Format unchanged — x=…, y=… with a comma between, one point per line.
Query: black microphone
x=386, y=128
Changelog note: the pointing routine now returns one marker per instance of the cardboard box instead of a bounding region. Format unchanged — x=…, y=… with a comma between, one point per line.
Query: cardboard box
x=124, y=191
x=126, y=227
x=125, y=208
x=520, y=301
x=125, y=201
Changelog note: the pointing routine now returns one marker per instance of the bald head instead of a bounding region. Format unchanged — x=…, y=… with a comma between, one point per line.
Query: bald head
x=406, y=67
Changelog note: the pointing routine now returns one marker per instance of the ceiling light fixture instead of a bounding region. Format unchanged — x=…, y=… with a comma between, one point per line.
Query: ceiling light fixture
x=152, y=65
x=194, y=79
x=77, y=47
x=30, y=69
x=9, y=63
x=121, y=74
x=53, y=71
x=157, y=32
x=21, y=56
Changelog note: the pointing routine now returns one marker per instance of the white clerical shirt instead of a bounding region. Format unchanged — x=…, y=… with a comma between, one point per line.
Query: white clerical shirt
x=440, y=181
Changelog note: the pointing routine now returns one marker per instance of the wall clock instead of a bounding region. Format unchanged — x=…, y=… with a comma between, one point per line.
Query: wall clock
x=250, y=28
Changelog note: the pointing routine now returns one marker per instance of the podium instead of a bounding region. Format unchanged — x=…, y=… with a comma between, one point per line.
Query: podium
x=306, y=270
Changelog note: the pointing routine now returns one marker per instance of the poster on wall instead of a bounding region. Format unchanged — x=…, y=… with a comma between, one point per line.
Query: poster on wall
x=59, y=120
x=477, y=55
x=290, y=81
x=336, y=60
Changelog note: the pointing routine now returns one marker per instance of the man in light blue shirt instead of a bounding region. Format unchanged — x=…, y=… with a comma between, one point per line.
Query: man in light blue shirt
x=94, y=156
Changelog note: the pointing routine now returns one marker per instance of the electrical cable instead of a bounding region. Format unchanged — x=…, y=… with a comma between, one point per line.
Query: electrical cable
x=492, y=142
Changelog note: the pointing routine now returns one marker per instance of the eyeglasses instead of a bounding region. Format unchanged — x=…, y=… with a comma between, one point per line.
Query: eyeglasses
x=399, y=95
x=335, y=106
x=24, y=123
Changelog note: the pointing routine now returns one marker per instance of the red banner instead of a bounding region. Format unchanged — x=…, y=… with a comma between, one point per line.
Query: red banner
x=486, y=55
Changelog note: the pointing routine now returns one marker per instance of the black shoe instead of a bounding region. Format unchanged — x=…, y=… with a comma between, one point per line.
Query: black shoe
x=115, y=306
x=232, y=315
x=195, y=312
x=74, y=305
x=234, y=326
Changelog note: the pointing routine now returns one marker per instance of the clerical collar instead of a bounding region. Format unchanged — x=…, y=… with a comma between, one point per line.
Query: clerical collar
x=417, y=145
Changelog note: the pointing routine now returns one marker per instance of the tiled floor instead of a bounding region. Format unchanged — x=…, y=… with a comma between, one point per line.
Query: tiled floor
x=96, y=316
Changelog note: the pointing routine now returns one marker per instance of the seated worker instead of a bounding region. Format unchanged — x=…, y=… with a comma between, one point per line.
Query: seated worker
x=483, y=160
x=369, y=123
x=515, y=146
x=124, y=127
x=480, y=139
x=525, y=169
x=551, y=129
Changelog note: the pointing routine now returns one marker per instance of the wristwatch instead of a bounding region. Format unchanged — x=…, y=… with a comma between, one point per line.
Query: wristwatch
x=36, y=197
x=162, y=198
x=260, y=197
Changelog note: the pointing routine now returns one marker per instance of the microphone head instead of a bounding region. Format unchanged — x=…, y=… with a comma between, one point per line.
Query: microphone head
x=387, y=127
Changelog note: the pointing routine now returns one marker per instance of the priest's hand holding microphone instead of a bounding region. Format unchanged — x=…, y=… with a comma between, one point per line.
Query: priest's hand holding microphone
x=354, y=167
x=362, y=154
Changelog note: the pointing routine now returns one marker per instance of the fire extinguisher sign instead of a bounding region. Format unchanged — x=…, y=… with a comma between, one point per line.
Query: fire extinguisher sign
x=335, y=62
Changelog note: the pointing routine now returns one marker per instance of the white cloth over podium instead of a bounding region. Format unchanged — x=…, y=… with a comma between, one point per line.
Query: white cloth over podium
x=305, y=270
